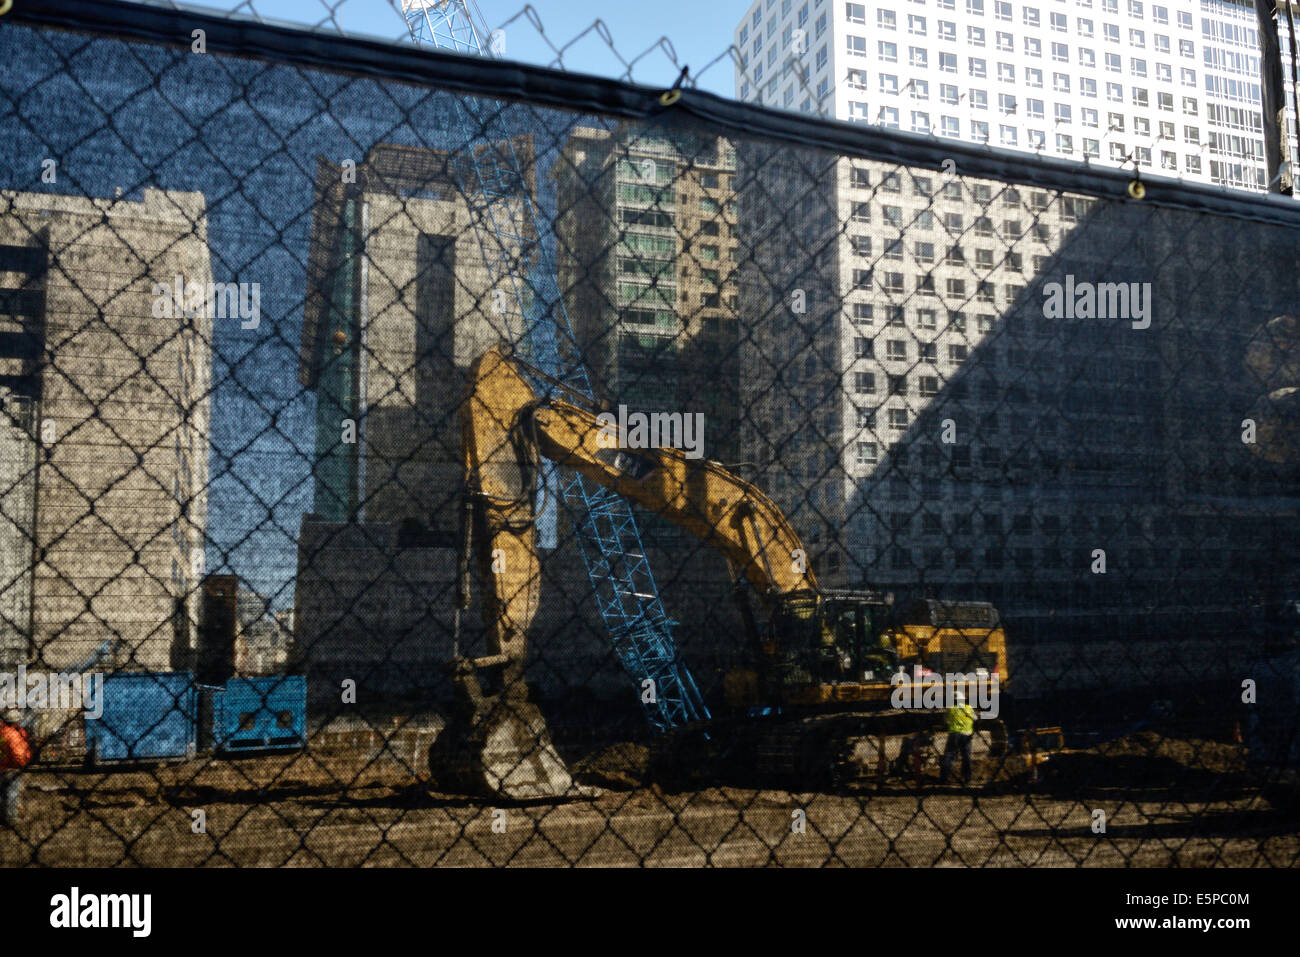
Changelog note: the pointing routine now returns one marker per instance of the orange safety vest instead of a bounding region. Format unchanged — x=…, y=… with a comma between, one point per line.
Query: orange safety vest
x=15, y=747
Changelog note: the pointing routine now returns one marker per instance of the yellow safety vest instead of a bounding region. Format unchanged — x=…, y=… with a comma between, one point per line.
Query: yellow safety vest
x=961, y=720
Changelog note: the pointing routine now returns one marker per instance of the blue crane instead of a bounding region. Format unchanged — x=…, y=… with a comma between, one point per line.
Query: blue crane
x=509, y=232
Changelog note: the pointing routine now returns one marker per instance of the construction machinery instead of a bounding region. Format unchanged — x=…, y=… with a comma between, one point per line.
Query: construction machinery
x=828, y=668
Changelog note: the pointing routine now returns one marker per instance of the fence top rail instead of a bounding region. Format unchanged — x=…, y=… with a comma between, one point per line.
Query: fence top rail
x=249, y=36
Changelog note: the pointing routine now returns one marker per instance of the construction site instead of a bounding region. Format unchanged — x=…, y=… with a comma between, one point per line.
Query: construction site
x=419, y=462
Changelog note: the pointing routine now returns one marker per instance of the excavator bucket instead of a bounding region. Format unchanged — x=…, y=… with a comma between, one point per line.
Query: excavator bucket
x=499, y=746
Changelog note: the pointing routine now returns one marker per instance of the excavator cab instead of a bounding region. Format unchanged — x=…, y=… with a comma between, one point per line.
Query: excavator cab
x=821, y=645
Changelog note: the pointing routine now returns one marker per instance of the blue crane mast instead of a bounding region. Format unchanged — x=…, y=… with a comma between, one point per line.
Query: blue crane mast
x=527, y=299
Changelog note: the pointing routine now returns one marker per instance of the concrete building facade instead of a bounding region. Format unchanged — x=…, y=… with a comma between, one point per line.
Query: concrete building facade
x=931, y=427
x=401, y=298
x=108, y=371
x=17, y=526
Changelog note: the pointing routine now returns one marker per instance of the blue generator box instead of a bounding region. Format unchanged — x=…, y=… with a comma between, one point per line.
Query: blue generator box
x=260, y=714
x=147, y=716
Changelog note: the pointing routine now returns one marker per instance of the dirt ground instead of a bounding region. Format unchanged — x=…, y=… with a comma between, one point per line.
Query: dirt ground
x=1166, y=803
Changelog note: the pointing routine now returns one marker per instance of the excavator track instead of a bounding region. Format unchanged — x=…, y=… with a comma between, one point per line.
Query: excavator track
x=803, y=752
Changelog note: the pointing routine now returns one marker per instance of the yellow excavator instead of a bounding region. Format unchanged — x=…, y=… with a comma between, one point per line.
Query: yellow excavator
x=828, y=669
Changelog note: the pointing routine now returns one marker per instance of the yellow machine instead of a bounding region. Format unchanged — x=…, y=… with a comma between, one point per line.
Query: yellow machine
x=832, y=664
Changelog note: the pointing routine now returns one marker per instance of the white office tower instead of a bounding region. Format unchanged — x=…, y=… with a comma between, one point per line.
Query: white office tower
x=1173, y=87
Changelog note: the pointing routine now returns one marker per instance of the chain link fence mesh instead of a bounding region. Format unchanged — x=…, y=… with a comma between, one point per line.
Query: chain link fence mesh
x=241, y=295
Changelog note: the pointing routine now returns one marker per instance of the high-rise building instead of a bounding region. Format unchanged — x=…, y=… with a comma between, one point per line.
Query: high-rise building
x=647, y=264
x=106, y=312
x=400, y=301
x=931, y=426
x=920, y=417
x=1173, y=87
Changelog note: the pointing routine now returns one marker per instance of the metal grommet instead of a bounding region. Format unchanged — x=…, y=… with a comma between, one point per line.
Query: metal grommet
x=666, y=98
x=6, y=6
x=1136, y=189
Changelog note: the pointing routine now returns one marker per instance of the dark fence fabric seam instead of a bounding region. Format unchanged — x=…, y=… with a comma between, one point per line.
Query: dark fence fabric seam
x=502, y=79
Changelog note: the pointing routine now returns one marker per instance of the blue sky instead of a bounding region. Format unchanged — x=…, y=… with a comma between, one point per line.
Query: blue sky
x=698, y=33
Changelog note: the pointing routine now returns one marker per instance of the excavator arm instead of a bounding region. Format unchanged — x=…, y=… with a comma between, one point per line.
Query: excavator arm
x=505, y=428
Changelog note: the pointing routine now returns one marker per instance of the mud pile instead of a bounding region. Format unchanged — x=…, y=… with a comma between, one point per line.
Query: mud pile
x=621, y=767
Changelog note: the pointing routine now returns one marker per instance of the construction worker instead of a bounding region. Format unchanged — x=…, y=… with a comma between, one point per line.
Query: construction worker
x=961, y=729
x=15, y=754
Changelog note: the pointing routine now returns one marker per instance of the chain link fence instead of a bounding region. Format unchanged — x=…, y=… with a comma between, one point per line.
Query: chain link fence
x=1027, y=427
